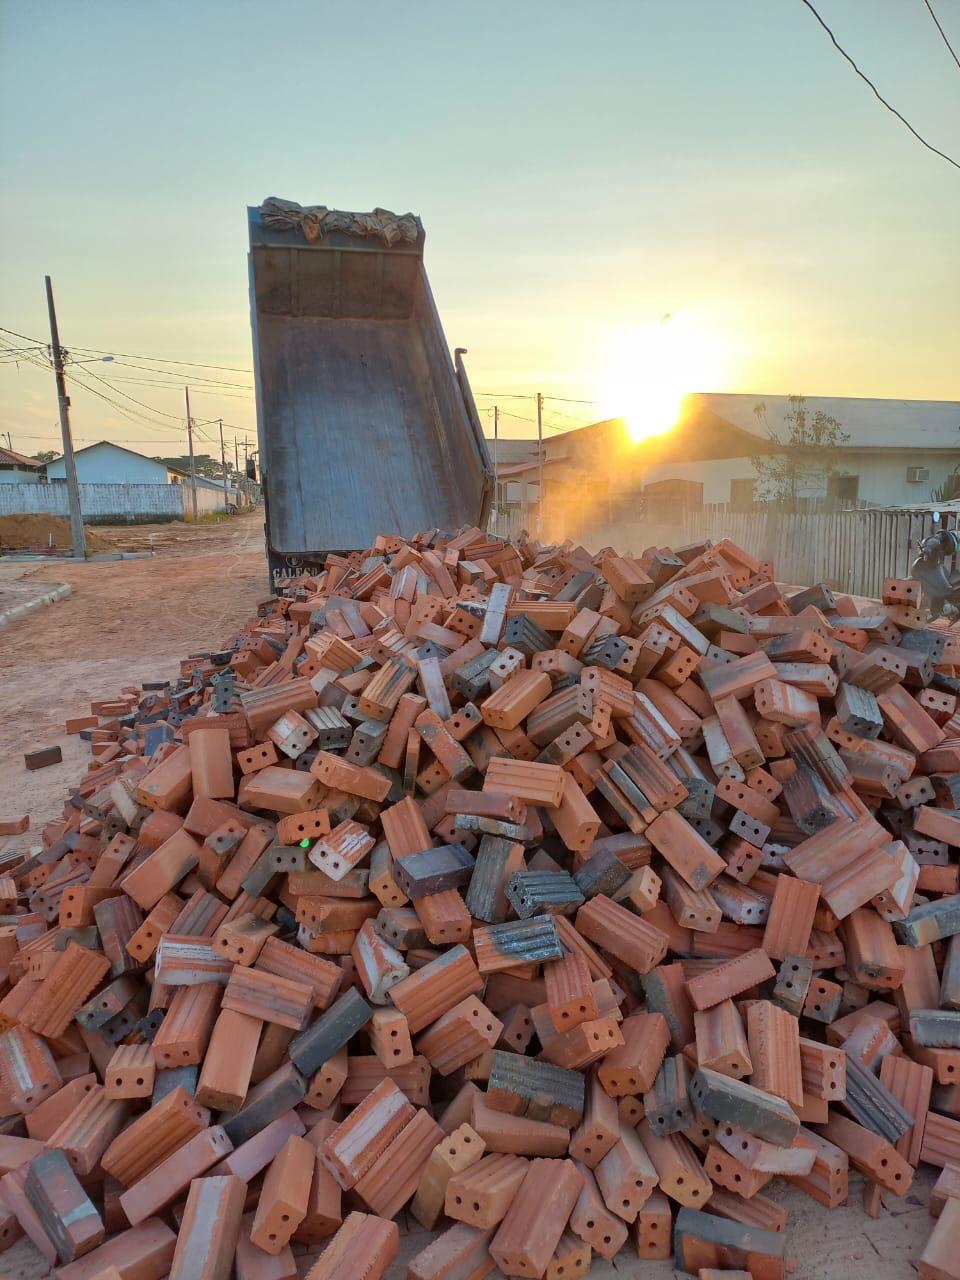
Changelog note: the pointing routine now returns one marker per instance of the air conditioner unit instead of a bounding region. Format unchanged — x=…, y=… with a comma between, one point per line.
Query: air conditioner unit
x=917, y=475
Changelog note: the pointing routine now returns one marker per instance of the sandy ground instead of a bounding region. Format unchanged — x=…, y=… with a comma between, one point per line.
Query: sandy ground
x=125, y=621
x=133, y=620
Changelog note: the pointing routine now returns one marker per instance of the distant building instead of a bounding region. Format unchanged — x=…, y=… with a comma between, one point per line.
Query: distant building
x=515, y=487
x=107, y=463
x=15, y=468
x=897, y=452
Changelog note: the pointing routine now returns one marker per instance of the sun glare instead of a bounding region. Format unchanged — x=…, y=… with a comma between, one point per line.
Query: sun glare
x=652, y=368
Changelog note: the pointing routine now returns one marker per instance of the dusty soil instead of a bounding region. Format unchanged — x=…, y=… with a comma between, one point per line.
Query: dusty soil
x=42, y=532
x=125, y=621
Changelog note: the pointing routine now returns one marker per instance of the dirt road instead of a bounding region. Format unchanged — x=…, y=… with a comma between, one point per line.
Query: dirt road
x=124, y=622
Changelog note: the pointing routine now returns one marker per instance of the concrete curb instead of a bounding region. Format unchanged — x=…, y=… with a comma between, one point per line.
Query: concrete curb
x=98, y=557
x=59, y=592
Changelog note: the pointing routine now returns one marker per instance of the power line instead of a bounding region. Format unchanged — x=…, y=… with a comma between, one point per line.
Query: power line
x=505, y=395
x=200, y=389
x=143, y=405
x=516, y=395
x=193, y=364
x=584, y=422
x=173, y=373
x=133, y=415
x=547, y=427
x=26, y=337
x=876, y=92
x=942, y=32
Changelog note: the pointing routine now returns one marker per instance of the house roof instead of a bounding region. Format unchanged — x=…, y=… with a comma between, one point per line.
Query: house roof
x=870, y=423
x=725, y=425
x=516, y=469
x=512, y=452
x=10, y=458
x=121, y=449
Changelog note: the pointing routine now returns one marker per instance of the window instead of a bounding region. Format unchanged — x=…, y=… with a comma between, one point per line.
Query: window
x=843, y=488
x=741, y=492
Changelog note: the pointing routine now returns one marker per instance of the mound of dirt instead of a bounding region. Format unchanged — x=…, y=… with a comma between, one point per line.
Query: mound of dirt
x=40, y=533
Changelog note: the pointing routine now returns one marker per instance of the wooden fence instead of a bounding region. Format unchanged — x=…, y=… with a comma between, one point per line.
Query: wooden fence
x=852, y=551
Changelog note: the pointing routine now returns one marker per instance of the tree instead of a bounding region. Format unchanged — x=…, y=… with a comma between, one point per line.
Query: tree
x=205, y=465
x=806, y=451
x=45, y=455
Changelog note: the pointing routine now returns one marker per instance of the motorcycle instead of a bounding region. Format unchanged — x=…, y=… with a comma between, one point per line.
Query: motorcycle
x=941, y=589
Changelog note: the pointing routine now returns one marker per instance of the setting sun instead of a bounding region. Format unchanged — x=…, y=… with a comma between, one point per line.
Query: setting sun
x=652, y=368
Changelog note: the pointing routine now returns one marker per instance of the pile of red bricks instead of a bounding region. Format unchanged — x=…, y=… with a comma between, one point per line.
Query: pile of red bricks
x=561, y=900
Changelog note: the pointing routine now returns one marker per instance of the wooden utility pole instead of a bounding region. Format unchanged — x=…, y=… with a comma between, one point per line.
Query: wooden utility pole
x=193, y=468
x=496, y=478
x=236, y=459
x=77, y=536
x=542, y=495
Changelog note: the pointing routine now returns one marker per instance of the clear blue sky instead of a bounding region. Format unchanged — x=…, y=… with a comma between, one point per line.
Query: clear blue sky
x=580, y=170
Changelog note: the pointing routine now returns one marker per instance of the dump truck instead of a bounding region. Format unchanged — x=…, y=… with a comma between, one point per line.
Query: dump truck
x=365, y=423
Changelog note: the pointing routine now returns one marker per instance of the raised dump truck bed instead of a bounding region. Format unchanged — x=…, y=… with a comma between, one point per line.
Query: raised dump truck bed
x=365, y=423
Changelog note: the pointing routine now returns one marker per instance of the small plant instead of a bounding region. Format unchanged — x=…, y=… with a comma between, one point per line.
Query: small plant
x=806, y=451
x=950, y=488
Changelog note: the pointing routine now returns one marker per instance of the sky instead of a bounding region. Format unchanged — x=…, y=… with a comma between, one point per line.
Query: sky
x=582, y=171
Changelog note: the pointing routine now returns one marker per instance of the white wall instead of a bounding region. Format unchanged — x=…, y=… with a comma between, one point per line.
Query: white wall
x=104, y=464
x=16, y=476
x=883, y=474
x=715, y=476
x=109, y=501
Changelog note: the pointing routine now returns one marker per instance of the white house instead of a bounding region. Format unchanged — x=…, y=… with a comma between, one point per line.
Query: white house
x=106, y=463
x=895, y=454
x=15, y=468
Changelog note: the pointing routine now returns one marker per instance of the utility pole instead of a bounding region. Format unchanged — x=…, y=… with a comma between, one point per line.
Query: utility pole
x=496, y=478
x=69, y=463
x=236, y=459
x=193, y=468
x=540, y=504
x=223, y=464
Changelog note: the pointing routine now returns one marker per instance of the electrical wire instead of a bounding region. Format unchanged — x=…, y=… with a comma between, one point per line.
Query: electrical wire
x=193, y=364
x=170, y=386
x=584, y=422
x=876, y=92
x=942, y=32
x=505, y=395
x=172, y=373
x=26, y=337
x=519, y=416
x=143, y=405
x=132, y=415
